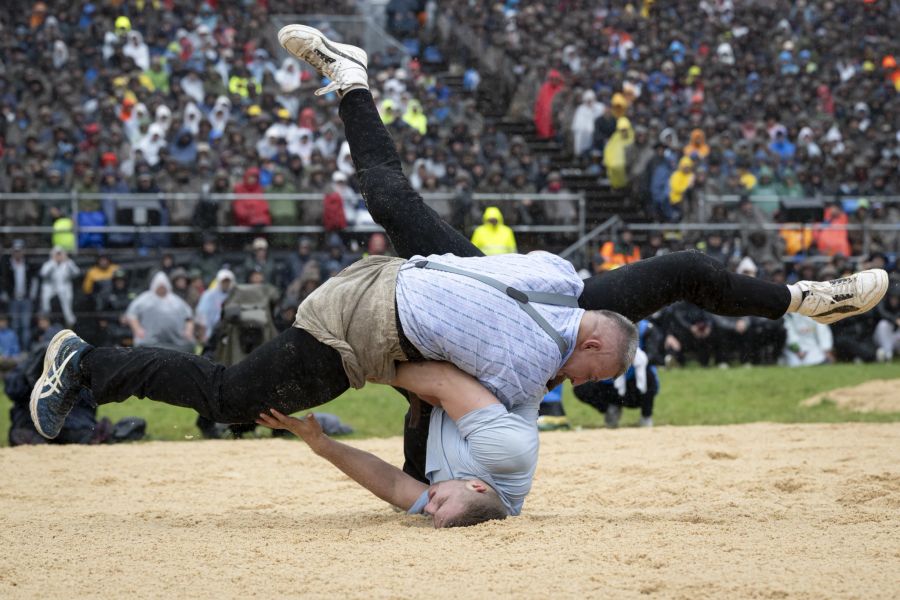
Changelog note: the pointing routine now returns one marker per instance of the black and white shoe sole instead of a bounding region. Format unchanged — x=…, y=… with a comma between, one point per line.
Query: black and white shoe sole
x=310, y=39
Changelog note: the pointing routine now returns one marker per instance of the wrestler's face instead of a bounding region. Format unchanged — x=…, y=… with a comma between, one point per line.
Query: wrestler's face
x=449, y=499
x=591, y=363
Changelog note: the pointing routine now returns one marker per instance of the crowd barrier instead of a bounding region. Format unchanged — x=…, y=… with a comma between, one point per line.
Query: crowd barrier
x=144, y=212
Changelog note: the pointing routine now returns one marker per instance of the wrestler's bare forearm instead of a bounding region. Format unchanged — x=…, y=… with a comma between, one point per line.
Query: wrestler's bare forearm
x=379, y=477
x=376, y=475
x=443, y=384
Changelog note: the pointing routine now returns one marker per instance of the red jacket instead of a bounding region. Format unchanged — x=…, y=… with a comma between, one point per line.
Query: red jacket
x=252, y=212
x=543, y=107
x=333, y=217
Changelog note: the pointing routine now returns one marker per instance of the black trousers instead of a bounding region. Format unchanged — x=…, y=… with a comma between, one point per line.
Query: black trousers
x=294, y=371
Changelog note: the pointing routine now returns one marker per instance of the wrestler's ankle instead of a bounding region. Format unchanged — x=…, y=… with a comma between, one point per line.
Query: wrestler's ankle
x=355, y=86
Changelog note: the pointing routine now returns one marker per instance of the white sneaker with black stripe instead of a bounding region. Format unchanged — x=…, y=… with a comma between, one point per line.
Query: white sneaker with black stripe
x=831, y=301
x=343, y=64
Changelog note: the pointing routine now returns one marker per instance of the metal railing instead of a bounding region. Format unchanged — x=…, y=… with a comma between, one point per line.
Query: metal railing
x=142, y=205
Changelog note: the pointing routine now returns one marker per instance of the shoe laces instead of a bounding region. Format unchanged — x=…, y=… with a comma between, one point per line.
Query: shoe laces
x=338, y=70
x=842, y=287
x=55, y=378
x=334, y=86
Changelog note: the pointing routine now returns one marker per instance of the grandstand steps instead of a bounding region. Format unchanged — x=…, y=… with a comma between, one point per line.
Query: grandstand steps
x=602, y=201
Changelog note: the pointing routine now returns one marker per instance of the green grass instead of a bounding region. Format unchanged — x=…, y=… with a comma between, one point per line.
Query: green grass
x=690, y=396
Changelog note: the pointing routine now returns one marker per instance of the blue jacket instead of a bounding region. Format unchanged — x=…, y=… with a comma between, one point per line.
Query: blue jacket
x=9, y=343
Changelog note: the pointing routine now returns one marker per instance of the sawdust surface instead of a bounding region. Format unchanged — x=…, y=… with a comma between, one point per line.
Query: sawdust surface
x=878, y=395
x=748, y=511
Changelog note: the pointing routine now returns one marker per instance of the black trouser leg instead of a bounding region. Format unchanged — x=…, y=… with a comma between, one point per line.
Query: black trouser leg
x=291, y=372
x=640, y=289
x=649, y=396
x=414, y=228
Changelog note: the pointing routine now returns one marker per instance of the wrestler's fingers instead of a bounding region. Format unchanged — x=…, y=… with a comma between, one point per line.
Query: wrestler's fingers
x=280, y=417
x=268, y=421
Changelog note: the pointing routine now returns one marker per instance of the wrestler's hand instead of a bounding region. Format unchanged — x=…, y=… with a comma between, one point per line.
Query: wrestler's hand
x=306, y=428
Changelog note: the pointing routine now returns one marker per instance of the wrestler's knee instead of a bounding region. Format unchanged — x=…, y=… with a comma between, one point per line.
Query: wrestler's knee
x=697, y=264
x=384, y=190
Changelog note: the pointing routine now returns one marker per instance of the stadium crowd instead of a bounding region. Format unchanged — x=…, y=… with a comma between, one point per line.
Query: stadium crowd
x=672, y=102
x=795, y=99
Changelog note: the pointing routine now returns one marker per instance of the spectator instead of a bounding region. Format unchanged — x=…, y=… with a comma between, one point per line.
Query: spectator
x=298, y=260
x=18, y=290
x=715, y=247
x=697, y=149
x=858, y=237
x=492, y=236
x=853, y=339
x=99, y=275
x=56, y=282
x=161, y=319
x=181, y=285
x=9, y=344
x=614, y=153
x=637, y=388
x=808, y=343
x=118, y=297
x=689, y=331
x=337, y=258
x=209, y=309
x=284, y=211
x=831, y=234
x=583, y=122
x=887, y=331
x=561, y=211
x=621, y=251
x=659, y=171
x=680, y=184
x=252, y=210
x=543, y=108
x=208, y=260
x=262, y=261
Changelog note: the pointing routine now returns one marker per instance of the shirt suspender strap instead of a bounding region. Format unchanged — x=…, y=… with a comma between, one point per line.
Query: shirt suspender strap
x=523, y=299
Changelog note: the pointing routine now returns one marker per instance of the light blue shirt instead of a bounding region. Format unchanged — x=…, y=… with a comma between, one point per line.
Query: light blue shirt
x=490, y=444
x=483, y=331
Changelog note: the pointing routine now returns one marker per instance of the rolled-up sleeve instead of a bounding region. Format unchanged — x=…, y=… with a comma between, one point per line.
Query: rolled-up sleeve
x=418, y=507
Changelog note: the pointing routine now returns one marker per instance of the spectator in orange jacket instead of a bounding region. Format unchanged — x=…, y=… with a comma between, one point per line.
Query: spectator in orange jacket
x=831, y=237
x=621, y=252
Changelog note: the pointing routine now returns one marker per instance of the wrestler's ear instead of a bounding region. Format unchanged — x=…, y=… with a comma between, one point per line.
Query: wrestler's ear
x=593, y=344
x=478, y=486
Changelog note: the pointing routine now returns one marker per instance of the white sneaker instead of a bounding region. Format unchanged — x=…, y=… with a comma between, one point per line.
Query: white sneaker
x=830, y=301
x=646, y=422
x=343, y=64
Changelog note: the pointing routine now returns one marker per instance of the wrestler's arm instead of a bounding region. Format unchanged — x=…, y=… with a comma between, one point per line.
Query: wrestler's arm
x=443, y=384
x=379, y=477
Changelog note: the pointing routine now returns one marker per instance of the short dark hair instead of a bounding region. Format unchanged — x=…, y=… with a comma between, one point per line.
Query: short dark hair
x=628, y=338
x=482, y=507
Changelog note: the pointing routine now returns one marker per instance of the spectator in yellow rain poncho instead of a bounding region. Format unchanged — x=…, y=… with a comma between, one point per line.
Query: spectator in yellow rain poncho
x=415, y=118
x=680, y=182
x=493, y=237
x=614, y=153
